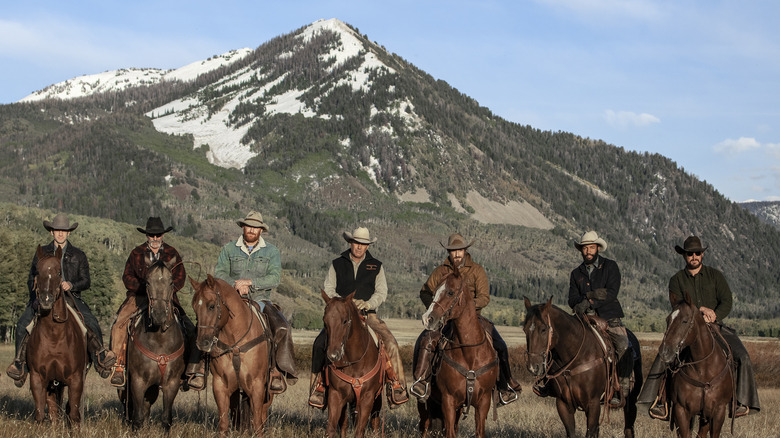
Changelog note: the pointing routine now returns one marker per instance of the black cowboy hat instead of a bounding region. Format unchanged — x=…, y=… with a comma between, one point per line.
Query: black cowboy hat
x=691, y=244
x=154, y=225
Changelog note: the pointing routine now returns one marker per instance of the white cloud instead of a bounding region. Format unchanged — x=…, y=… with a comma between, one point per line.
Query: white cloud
x=626, y=119
x=732, y=147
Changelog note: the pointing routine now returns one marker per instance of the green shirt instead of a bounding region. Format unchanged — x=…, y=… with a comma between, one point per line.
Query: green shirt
x=708, y=288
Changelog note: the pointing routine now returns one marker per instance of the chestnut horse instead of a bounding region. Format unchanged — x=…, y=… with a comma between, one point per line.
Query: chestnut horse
x=565, y=353
x=469, y=367
x=57, y=349
x=356, y=368
x=702, y=381
x=238, y=345
x=155, y=353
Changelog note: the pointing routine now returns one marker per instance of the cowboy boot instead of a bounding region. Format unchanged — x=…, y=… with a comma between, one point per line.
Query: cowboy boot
x=508, y=390
x=18, y=368
x=423, y=372
x=117, y=377
x=316, y=391
x=196, y=376
x=102, y=358
x=283, y=368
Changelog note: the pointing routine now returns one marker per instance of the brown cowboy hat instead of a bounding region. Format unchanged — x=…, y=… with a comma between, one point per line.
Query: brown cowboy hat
x=60, y=223
x=691, y=244
x=456, y=241
x=588, y=238
x=360, y=235
x=253, y=219
x=154, y=225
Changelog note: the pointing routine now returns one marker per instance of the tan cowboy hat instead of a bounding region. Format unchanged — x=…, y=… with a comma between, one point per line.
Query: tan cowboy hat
x=154, y=225
x=360, y=235
x=60, y=223
x=691, y=244
x=589, y=238
x=456, y=241
x=253, y=219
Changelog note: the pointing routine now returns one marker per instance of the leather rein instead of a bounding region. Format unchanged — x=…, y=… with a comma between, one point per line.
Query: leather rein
x=358, y=382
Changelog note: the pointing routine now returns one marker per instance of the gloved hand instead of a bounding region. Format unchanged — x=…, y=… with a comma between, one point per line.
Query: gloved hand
x=362, y=305
x=598, y=294
x=581, y=307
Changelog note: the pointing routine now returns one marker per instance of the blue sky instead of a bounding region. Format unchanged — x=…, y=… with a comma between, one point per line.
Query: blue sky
x=696, y=81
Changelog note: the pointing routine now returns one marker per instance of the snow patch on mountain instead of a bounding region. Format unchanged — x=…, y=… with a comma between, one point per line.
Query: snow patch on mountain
x=118, y=80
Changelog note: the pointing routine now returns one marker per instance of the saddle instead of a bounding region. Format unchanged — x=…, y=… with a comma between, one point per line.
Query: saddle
x=61, y=312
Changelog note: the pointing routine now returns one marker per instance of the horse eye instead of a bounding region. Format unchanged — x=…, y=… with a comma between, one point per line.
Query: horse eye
x=212, y=307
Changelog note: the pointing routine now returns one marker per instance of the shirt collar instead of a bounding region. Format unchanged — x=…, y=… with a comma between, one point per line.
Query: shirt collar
x=242, y=245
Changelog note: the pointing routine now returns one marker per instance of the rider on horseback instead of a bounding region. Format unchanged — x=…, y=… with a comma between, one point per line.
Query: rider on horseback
x=476, y=283
x=134, y=279
x=710, y=292
x=356, y=270
x=593, y=288
x=253, y=266
x=75, y=280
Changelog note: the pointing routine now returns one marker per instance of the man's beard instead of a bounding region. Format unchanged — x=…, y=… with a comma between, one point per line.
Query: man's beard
x=590, y=261
x=251, y=239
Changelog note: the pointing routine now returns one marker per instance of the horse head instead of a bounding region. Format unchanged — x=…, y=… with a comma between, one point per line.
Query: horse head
x=159, y=290
x=211, y=312
x=47, y=282
x=679, y=329
x=447, y=302
x=341, y=318
x=539, y=339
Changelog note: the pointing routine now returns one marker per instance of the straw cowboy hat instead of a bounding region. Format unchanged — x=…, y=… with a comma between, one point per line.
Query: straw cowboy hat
x=253, y=219
x=456, y=241
x=154, y=226
x=360, y=235
x=588, y=238
x=60, y=223
x=691, y=244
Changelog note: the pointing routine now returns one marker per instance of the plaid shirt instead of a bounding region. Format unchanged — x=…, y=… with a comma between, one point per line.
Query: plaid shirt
x=134, y=277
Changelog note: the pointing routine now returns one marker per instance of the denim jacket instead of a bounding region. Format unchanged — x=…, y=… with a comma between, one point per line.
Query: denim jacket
x=263, y=266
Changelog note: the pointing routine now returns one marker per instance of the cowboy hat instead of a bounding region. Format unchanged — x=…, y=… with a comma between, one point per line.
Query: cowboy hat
x=360, y=235
x=253, y=219
x=60, y=223
x=588, y=238
x=691, y=244
x=154, y=225
x=456, y=241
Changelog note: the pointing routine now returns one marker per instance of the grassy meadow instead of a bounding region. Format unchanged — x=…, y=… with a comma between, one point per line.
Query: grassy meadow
x=530, y=416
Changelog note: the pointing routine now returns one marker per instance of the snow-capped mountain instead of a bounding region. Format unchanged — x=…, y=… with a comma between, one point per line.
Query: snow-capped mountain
x=767, y=211
x=117, y=80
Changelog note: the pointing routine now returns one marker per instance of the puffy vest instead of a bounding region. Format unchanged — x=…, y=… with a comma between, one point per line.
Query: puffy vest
x=362, y=283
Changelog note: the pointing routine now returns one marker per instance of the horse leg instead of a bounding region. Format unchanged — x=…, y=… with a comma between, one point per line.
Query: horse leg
x=75, y=391
x=337, y=414
x=223, y=401
x=169, y=395
x=480, y=414
x=718, y=417
x=705, y=424
x=363, y=407
x=54, y=402
x=425, y=421
x=592, y=415
x=682, y=419
x=376, y=411
x=566, y=413
x=257, y=404
x=450, y=415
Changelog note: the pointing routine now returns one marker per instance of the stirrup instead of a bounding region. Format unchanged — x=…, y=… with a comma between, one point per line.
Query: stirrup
x=509, y=391
x=317, y=398
x=422, y=397
x=396, y=397
x=659, y=410
x=116, y=374
x=277, y=383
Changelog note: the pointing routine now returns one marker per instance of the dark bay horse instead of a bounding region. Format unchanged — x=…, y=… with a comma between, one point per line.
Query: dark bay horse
x=565, y=352
x=469, y=367
x=356, y=368
x=238, y=345
x=155, y=350
x=57, y=349
x=702, y=382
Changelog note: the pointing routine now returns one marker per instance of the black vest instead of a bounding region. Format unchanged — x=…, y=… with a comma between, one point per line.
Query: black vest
x=362, y=283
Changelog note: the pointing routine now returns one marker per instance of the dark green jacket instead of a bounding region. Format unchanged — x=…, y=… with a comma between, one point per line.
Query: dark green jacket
x=708, y=288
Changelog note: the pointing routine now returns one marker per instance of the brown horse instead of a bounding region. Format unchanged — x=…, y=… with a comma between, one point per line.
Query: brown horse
x=57, y=349
x=155, y=353
x=565, y=353
x=238, y=344
x=702, y=382
x=356, y=368
x=469, y=368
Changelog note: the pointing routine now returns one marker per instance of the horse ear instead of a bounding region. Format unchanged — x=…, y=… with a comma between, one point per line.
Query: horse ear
x=325, y=296
x=39, y=252
x=194, y=283
x=148, y=260
x=688, y=299
x=171, y=263
x=58, y=253
x=351, y=296
x=548, y=304
x=210, y=281
x=527, y=302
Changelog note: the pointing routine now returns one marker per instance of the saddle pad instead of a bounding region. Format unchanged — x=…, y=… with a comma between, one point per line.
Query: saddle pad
x=601, y=341
x=373, y=335
x=73, y=312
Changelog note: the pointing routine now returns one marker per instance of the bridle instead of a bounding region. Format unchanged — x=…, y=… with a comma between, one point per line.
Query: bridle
x=168, y=301
x=343, y=363
x=547, y=355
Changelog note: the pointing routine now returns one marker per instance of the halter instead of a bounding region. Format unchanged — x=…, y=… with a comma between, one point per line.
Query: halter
x=168, y=302
x=345, y=363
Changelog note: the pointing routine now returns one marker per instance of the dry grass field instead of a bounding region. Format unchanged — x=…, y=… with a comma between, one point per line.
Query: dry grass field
x=530, y=416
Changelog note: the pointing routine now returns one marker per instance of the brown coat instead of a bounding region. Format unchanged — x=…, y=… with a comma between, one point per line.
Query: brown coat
x=475, y=281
